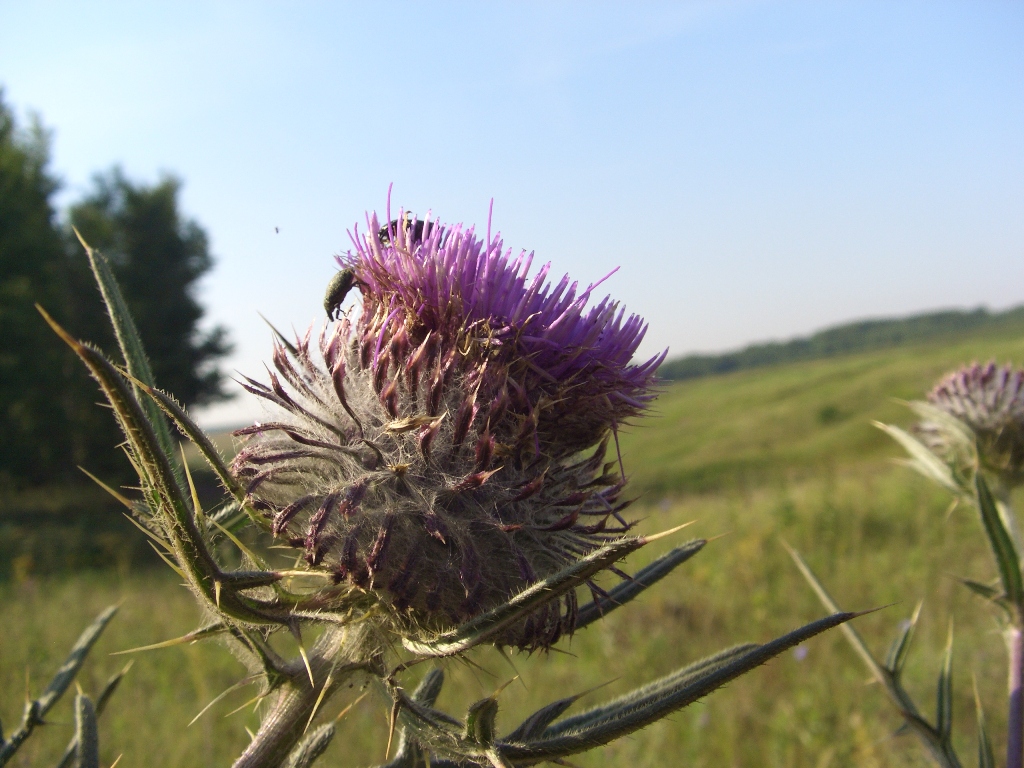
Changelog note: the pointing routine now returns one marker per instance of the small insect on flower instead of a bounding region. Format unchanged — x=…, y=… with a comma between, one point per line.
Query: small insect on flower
x=450, y=450
x=337, y=290
x=408, y=223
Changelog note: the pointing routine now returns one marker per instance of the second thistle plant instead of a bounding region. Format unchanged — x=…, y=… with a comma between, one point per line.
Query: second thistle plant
x=970, y=440
x=439, y=461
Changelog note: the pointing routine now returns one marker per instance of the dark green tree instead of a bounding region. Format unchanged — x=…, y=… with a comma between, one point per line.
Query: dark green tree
x=38, y=383
x=49, y=420
x=157, y=256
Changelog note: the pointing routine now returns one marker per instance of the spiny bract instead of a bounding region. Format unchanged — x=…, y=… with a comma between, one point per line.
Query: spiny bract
x=451, y=448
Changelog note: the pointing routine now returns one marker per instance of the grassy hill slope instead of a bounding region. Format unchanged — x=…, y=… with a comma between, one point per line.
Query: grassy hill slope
x=761, y=425
x=782, y=452
x=949, y=327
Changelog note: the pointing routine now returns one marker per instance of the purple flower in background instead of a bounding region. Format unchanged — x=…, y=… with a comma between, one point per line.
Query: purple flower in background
x=989, y=400
x=452, y=450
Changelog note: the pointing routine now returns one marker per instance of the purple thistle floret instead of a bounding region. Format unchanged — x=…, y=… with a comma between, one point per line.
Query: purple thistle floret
x=452, y=450
x=990, y=401
x=450, y=283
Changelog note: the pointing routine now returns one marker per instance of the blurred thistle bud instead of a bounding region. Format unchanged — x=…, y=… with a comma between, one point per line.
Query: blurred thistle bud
x=450, y=448
x=989, y=401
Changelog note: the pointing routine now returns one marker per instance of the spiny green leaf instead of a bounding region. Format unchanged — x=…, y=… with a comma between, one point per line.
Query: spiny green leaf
x=128, y=338
x=534, y=725
x=641, y=580
x=480, y=720
x=487, y=625
x=201, y=440
x=87, y=753
x=36, y=709
x=1001, y=542
x=673, y=681
x=631, y=713
x=311, y=747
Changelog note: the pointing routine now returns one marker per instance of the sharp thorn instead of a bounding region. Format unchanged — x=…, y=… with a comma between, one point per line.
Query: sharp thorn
x=347, y=709
x=392, y=722
x=663, y=534
x=319, y=700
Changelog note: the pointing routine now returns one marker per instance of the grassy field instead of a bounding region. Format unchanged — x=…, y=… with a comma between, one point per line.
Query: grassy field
x=784, y=452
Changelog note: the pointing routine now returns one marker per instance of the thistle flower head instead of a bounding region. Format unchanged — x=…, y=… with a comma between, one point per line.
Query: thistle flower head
x=989, y=400
x=450, y=449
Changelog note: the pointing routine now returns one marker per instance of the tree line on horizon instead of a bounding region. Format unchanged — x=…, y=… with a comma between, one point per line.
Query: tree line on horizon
x=49, y=419
x=849, y=338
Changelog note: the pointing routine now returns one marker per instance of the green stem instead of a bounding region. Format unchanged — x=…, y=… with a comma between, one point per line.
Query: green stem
x=336, y=656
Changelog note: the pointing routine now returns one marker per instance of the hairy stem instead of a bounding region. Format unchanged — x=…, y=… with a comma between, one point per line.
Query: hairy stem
x=336, y=656
x=1015, y=720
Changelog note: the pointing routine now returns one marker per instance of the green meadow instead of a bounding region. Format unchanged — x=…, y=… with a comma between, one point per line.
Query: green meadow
x=754, y=457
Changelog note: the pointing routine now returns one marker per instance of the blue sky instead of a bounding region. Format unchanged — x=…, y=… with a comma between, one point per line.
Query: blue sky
x=758, y=170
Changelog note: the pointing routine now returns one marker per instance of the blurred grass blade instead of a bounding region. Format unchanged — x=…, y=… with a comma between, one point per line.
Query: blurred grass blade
x=489, y=624
x=940, y=751
x=986, y=757
x=310, y=748
x=128, y=338
x=982, y=590
x=87, y=753
x=642, y=579
x=73, y=663
x=36, y=709
x=901, y=646
x=1005, y=553
x=923, y=460
x=101, y=704
x=826, y=600
x=944, y=694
